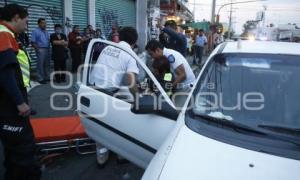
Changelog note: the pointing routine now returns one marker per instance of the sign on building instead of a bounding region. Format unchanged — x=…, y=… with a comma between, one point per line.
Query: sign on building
x=154, y=18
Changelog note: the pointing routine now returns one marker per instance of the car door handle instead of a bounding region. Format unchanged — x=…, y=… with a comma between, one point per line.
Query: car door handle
x=85, y=101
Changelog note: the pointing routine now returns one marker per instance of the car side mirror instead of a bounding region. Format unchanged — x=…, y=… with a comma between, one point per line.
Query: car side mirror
x=148, y=104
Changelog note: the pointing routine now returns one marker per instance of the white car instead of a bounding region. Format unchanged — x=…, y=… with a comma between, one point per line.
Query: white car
x=241, y=120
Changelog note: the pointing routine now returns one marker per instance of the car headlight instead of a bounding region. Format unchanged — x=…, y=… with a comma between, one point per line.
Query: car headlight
x=251, y=38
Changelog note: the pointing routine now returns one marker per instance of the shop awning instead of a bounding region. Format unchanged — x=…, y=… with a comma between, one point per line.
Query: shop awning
x=199, y=25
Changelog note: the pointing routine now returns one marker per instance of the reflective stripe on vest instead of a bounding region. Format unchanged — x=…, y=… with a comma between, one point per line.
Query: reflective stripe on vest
x=22, y=59
x=25, y=68
x=168, y=78
x=5, y=29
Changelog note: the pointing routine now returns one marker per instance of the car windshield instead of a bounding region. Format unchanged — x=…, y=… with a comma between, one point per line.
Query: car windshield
x=260, y=90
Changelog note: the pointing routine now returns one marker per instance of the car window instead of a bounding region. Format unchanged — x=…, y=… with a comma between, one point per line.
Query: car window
x=251, y=89
x=107, y=74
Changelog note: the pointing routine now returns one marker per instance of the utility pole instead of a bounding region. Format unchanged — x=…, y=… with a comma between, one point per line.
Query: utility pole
x=194, y=10
x=218, y=13
x=230, y=21
x=213, y=11
x=264, y=16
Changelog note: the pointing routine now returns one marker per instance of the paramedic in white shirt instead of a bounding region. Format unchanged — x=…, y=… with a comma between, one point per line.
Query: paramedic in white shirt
x=108, y=73
x=113, y=64
x=184, y=76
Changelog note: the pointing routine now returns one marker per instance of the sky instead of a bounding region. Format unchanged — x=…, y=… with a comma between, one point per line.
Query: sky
x=278, y=11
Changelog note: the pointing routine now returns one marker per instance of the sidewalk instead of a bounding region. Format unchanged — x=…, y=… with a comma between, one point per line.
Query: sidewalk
x=42, y=96
x=196, y=68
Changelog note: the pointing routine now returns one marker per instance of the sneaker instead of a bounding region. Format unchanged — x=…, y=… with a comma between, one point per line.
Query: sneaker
x=102, y=155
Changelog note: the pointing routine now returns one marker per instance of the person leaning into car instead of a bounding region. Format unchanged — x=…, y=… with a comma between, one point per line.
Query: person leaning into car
x=109, y=71
x=113, y=63
x=184, y=76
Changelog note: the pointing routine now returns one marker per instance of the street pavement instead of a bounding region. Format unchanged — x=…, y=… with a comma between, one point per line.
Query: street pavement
x=70, y=165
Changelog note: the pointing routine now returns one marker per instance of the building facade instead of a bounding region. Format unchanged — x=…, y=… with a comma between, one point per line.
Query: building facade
x=100, y=14
x=176, y=10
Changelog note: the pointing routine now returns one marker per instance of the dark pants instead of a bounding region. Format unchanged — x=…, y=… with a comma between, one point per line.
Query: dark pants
x=59, y=65
x=19, y=149
x=198, y=54
x=188, y=53
x=76, y=58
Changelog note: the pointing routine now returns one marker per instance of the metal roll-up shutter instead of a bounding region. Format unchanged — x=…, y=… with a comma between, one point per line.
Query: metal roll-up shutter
x=80, y=13
x=118, y=12
x=2, y=3
x=52, y=11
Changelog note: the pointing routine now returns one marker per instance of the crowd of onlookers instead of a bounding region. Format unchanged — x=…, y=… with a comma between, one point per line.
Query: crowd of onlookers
x=75, y=44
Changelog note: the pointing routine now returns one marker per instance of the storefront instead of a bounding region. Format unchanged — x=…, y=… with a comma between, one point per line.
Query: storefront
x=80, y=13
x=52, y=11
x=115, y=12
x=101, y=14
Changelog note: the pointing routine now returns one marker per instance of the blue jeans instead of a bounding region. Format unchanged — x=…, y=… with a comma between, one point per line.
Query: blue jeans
x=43, y=64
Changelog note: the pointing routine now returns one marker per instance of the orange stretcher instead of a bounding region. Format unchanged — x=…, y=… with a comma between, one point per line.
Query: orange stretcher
x=61, y=133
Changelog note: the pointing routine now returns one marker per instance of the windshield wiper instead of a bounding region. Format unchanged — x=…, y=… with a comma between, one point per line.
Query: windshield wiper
x=281, y=129
x=242, y=128
x=230, y=123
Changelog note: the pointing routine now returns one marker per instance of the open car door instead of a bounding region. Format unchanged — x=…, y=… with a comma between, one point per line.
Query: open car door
x=132, y=129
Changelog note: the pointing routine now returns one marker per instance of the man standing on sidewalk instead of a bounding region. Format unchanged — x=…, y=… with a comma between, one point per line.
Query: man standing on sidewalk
x=75, y=45
x=41, y=43
x=16, y=133
x=200, y=43
x=59, y=55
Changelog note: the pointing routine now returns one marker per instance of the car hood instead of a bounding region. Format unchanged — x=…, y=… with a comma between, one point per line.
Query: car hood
x=197, y=157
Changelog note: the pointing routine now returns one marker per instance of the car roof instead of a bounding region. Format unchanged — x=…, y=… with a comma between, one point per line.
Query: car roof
x=263, y=47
